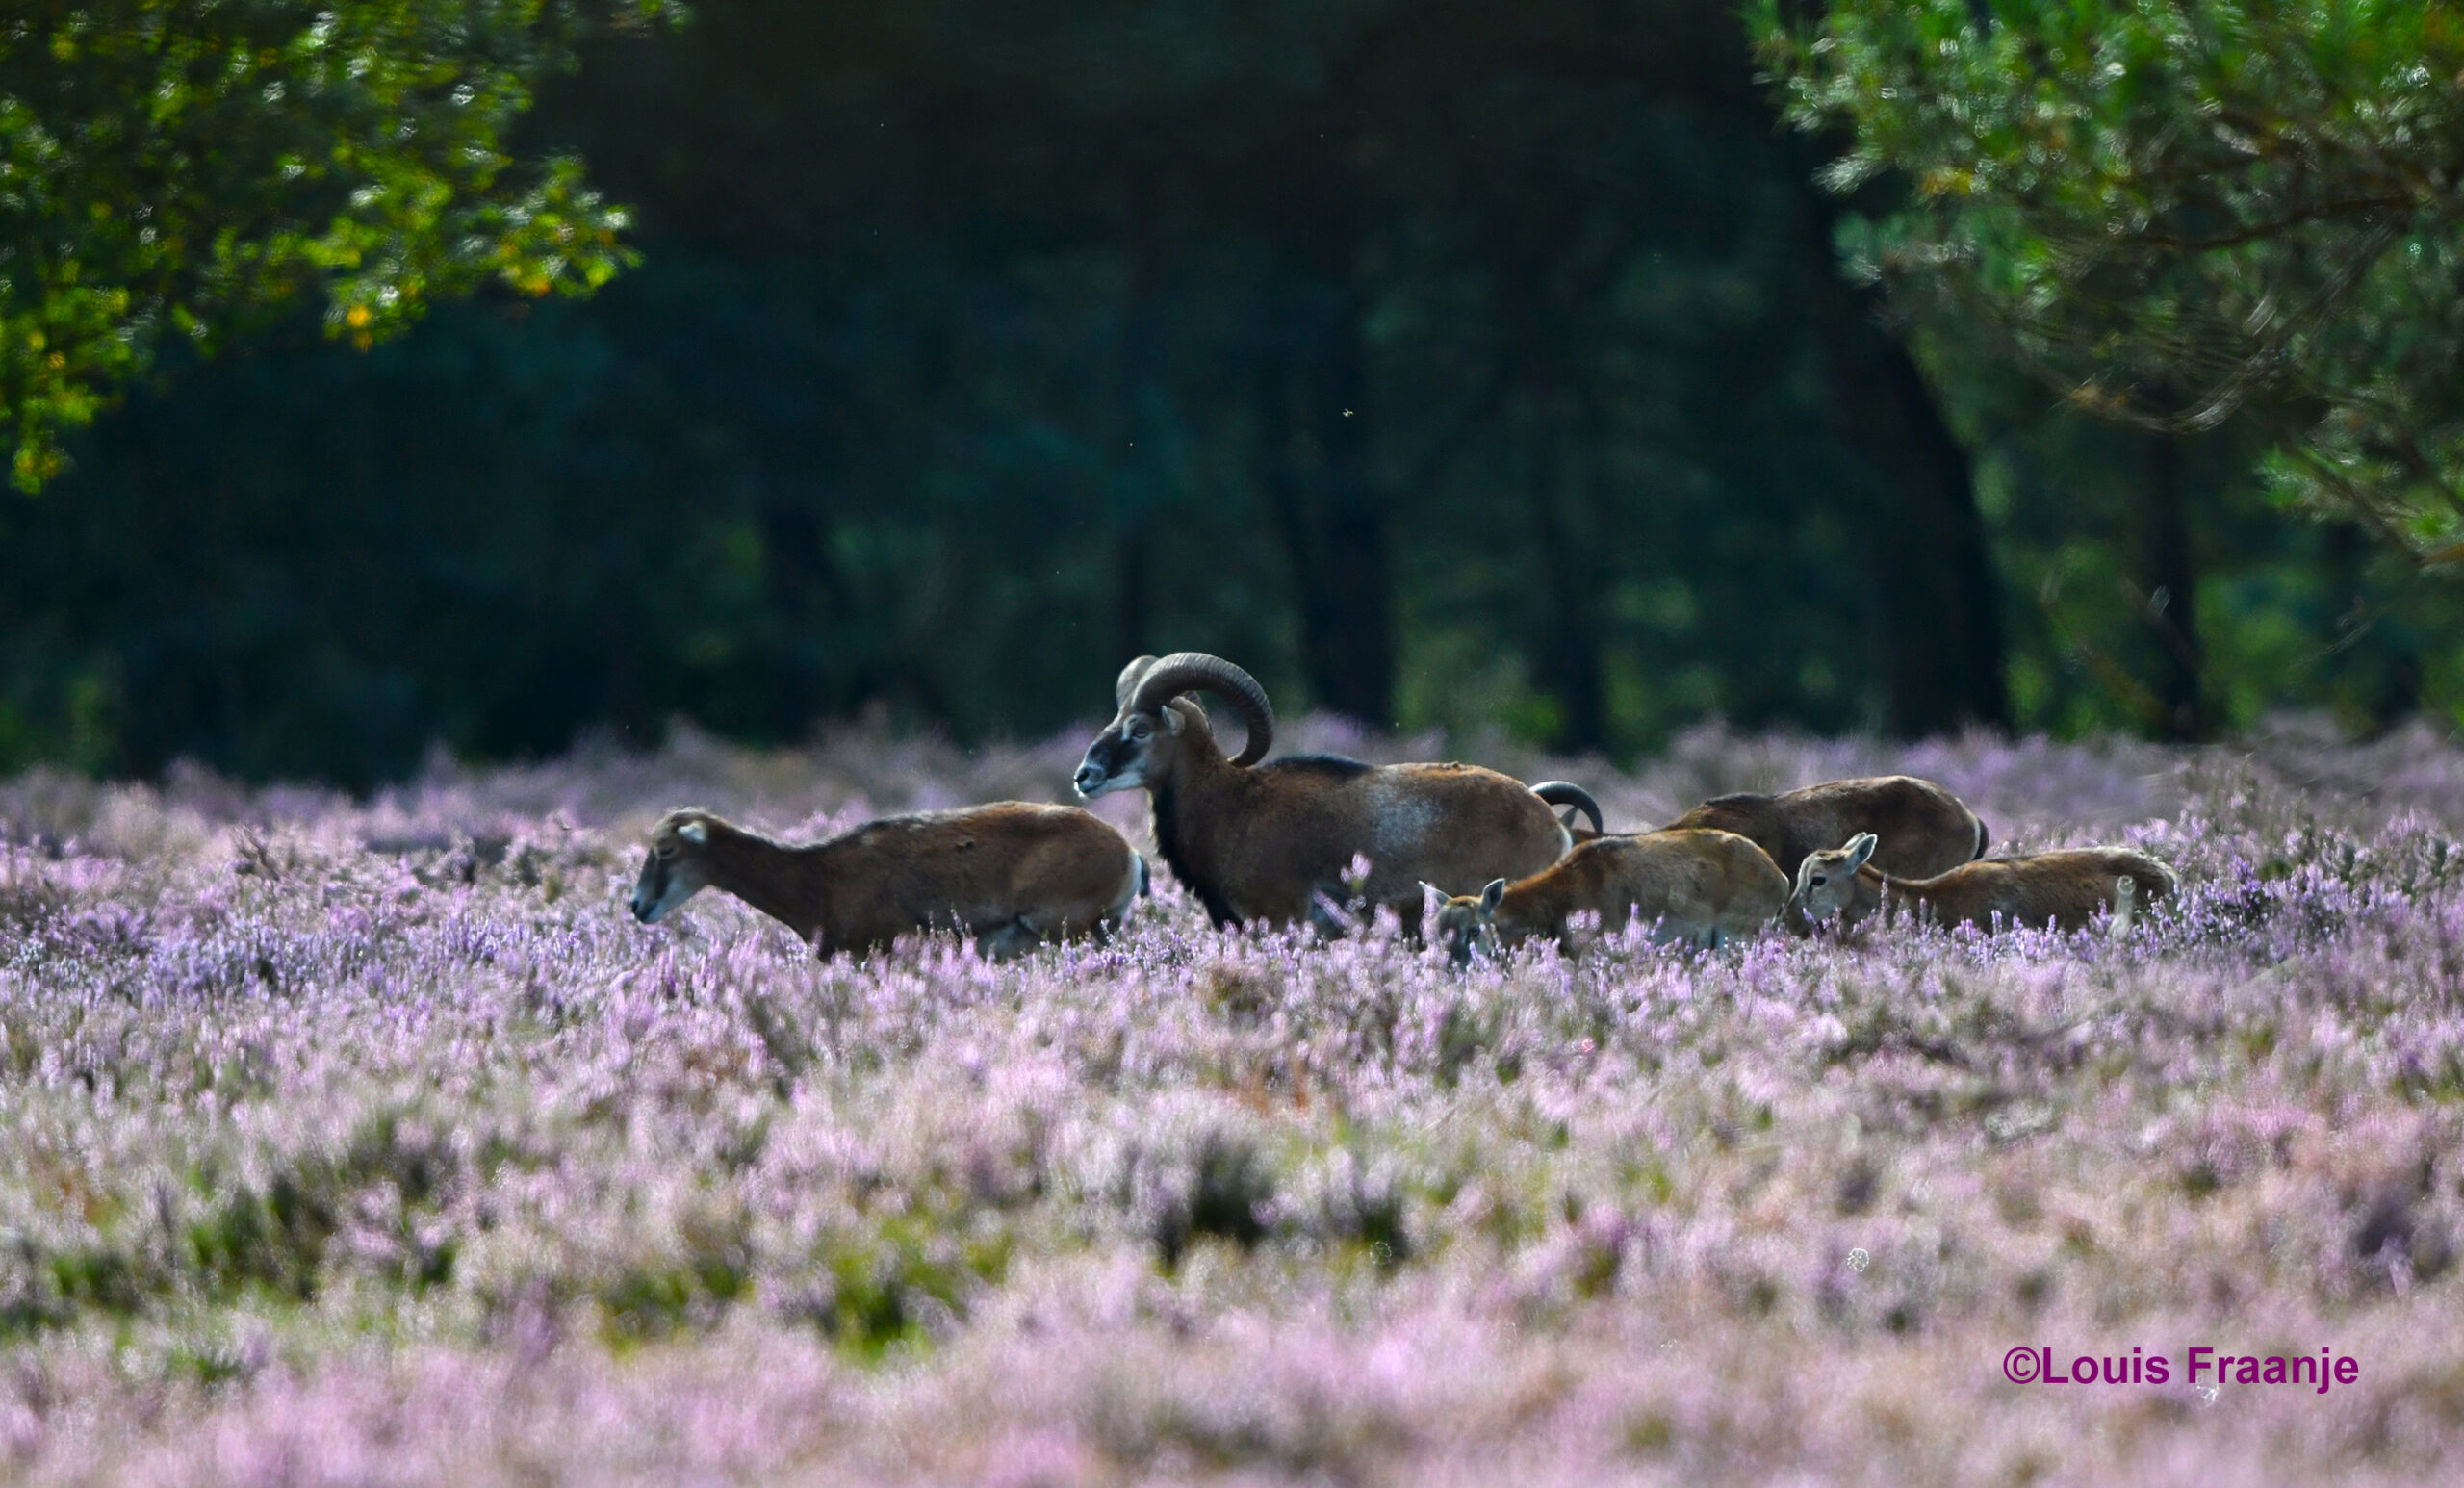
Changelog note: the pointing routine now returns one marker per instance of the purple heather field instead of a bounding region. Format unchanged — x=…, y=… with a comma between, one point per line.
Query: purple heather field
x=372, y=1143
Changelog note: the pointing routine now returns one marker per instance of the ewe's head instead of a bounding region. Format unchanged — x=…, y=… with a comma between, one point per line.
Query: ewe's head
x=1826, y=881
x=1155, y=721
x=674, y=871
x=1469, y=921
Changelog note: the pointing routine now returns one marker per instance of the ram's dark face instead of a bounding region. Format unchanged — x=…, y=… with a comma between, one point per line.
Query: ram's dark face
x=672, y=873
x=1126, y=755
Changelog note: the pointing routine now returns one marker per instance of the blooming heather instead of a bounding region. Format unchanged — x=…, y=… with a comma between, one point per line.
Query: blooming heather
x=372, y=1143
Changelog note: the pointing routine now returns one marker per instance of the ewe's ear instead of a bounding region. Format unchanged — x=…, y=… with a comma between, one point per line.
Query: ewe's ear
x=695, y=833
x=1492, y=895
x=1859, y=848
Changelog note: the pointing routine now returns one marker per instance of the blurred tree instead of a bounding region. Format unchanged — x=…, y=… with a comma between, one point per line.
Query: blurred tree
x=977, y=348
x=1372, y=182
x=2182, y=211
x=182, y=171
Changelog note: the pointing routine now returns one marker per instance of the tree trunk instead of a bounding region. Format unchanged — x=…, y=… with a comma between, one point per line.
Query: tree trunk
x=803, y=600
x=2172, y=600
x=1139, y=480
x=1328, y=515
x=1936, y=606
x=1570, y=664
x=1133, y=603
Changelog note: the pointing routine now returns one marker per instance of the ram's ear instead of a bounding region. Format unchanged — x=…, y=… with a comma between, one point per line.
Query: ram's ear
x=1492, y=895
x=695, y=833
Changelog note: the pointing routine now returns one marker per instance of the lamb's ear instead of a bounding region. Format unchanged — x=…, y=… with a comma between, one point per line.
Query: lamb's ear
x=695, y=833
x=1430, y=889
x=1492, y=895
x=1859, y=848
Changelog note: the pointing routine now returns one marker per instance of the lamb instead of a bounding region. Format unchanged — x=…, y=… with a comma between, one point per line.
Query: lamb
x=2062, y=889
x=1013, y=874
x=1700, y=884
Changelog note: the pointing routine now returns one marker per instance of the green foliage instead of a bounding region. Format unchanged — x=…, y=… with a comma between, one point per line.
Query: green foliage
x=2289, y=615
x=878, y=424
x=979, y=346
x=178, y=171
x=2182, y=211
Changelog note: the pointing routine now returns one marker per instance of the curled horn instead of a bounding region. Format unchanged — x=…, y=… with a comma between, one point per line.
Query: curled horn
x=1127, y=683
x=1188, y=671
x=1568, y=793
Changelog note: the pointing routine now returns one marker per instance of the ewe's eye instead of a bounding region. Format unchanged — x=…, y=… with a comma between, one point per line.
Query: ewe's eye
x=1819, y=881
x=665, y=850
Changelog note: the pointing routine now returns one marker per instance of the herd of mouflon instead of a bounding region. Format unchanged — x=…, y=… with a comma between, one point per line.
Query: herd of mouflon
x=1279, y=843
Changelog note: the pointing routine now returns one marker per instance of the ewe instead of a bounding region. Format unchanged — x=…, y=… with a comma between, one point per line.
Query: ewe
x=1012, y=874
x=1699, y=884
x=1929, y=831
x=2064, y=889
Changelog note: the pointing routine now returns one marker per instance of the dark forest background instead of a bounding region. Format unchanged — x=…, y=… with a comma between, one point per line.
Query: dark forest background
x=1444, y=363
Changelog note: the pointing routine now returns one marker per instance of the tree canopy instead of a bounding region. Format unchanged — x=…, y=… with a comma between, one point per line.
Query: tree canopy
x=178, y=171
x=1443, y=362
x=2182, y=211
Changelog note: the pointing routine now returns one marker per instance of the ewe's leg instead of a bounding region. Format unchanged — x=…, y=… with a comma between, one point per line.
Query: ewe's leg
x=1004, y=941
x=1132, y=887
x=1324, y=898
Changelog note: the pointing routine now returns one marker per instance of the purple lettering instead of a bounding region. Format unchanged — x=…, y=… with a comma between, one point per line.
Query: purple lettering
x=2046, y=1373
x=2306, y=1371
x=2245, y=1369
x=2157, y=1372
x=2197, y=1364
x=2116, y=1371
x=2082, y=1369
x=2347, y=1370
x=2275, y=1372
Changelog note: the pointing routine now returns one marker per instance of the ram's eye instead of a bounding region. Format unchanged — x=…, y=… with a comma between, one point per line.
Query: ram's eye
x=1819, y=881
x=1139, y=729
x=665, y=850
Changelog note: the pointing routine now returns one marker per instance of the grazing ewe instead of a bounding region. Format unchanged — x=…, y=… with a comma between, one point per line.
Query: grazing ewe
x=1929, y=830
x=1699, y=884
x=2064, y=888
x=1269, y=842
x=1012, y=874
